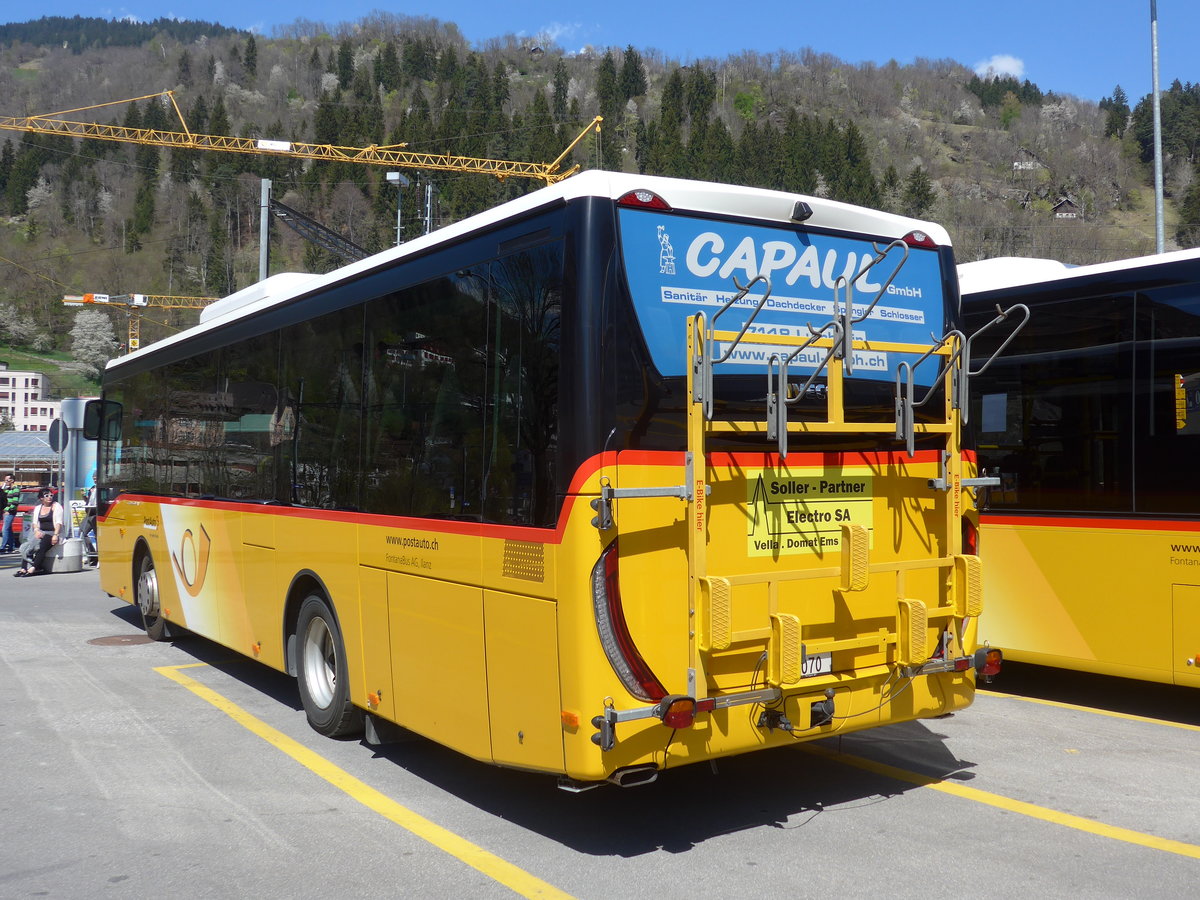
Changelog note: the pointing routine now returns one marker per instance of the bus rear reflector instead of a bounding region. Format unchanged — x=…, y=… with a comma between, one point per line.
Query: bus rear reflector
x=676, y=711
x=618, y=645
x=920, y=239
x=643, y=199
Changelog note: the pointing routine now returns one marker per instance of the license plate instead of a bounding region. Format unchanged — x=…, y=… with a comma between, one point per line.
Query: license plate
x=817, y=664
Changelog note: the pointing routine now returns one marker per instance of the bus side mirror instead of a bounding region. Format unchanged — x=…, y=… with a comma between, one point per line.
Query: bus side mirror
x=102, y=420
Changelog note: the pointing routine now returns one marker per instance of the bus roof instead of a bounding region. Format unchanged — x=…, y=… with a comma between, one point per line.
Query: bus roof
x=724, y=199
x=1016, y=271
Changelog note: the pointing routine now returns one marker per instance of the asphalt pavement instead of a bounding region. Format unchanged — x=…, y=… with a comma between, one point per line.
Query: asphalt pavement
x=141, y=769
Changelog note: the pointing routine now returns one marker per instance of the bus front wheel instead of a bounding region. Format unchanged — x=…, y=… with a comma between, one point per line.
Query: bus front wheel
x=146, y=593
x=322, y=674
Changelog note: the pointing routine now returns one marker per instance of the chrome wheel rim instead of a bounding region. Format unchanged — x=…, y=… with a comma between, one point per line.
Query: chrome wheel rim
x=147, y=591
x=320, y=662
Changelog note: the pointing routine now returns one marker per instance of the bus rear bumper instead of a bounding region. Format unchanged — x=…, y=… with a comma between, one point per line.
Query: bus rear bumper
x=801, y=709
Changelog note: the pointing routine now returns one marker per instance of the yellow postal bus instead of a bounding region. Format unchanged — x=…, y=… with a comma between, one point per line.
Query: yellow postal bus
x=625, y=474
x=1091, y=419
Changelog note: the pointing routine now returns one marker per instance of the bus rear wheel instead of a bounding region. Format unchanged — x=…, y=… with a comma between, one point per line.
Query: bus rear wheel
x=147, y=597
x=322, y=673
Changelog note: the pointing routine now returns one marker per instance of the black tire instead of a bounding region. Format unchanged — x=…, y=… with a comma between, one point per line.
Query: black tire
x=321, y=671
x=146, y=597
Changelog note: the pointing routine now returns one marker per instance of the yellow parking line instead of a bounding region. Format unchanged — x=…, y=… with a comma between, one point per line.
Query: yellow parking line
x=518, y=880
x=1053, y=816
x=1091, y=709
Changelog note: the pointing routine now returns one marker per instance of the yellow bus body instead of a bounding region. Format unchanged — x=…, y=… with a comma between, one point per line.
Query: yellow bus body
x=484, y=638
x=1114, y=597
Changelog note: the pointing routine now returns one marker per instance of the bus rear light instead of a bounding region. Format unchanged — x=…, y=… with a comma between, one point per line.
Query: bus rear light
x=643, y=199
x=618, y=645
x=920, y=239
x=988, y=661
x=676, y=711
x=962, y=664
x=970, y=537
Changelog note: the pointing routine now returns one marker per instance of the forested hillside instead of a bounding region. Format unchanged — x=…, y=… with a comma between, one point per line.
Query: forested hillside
x=1010, y=168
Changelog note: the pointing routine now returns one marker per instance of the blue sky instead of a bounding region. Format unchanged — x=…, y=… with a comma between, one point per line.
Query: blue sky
x=1080, y=47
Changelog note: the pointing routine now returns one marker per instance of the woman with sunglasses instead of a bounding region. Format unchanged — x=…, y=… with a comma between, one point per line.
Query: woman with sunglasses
x=47, y=531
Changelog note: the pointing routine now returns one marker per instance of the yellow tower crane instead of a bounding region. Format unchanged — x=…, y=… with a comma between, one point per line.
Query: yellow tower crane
x=392, y=155
x=132, y=303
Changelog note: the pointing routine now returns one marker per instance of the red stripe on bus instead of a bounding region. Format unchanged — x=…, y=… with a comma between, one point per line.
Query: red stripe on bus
x=586, y=471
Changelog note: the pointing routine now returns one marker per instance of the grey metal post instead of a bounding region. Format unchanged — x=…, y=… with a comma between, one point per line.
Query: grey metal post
x=401, y=182
x=1158, y=166
x=264, y=228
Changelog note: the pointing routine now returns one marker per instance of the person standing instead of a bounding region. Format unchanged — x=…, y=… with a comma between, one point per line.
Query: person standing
x=10, y=496
x=88, y=530
x=47, y=531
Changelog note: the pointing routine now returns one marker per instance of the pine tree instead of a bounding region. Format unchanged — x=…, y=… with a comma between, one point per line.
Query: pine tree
x=633, y=74
x=345, y=64
x=562, y=85
x=672, y=101
x=250, y=59
x=919, y=195
x=1188, y=232
x=543, y=141
x=6, y=166
x=500, y=87
x=387, y=68
x=184, y=69
x=700, y=93
x=612, y=107
x=858, y=181
x=608, y=87
x=799, y=157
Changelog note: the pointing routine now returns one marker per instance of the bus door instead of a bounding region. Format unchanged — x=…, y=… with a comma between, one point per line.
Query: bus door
x=1185, y=652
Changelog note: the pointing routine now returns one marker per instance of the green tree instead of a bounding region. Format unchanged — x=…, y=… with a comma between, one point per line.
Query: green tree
x=387, y=68
x=184, y=69
x=250, y=59
x=672, y=102
x=218, y=261
x=612, y=108
x=345, y=63
x=608, y=87
x=918, y=195
x=700, y=92
x=501, y=92
x=858, y=184
x=1188, y=232
x=1116, y=117
x=633, y=74
x=1010, y=110
x=6, y=165
x=562, y=86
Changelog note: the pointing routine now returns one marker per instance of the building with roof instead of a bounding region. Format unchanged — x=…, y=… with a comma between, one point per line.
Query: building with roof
x=23, y=399
x=27, y=455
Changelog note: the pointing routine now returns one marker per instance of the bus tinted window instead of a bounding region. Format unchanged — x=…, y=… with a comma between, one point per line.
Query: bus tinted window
x=1053, y=414
x=1166, y=404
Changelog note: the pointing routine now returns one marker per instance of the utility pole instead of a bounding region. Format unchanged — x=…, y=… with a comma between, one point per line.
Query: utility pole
x=1158, y=166
x=264, y=228
x=401, y=182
